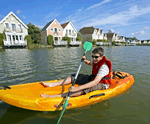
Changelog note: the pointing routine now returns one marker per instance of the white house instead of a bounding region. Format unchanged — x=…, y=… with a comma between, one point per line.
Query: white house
x=70, y=31
x=91, y=33
x=121, y=38
x=14, y=29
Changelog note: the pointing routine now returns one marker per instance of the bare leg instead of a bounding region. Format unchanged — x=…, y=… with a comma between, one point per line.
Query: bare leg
x=63, y=95
x=59, y=83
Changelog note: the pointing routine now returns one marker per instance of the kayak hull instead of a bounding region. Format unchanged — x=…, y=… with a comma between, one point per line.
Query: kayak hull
x=28, y=96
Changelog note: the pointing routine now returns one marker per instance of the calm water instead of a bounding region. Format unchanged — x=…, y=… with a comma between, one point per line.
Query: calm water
x=18, y=66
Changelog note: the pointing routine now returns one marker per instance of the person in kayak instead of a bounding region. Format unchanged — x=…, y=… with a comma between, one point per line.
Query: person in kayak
x=99, y=80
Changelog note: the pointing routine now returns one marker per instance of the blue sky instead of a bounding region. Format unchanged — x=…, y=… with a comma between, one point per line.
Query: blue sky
x=127, y=18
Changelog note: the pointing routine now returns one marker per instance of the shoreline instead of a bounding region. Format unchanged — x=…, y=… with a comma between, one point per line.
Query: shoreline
x=51, y=46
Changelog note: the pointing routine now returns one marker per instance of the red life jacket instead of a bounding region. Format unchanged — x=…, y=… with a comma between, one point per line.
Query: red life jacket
x=106, y=79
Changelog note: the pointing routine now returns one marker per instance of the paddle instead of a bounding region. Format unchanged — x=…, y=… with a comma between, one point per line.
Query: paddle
x=87, y=46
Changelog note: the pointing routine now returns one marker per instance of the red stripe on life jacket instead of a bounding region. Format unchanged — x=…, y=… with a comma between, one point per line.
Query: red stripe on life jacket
x=98, y=65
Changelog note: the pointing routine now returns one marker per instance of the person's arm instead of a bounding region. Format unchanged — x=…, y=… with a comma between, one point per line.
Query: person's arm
x=103, y=71
x=86, y=61
x=87, y=85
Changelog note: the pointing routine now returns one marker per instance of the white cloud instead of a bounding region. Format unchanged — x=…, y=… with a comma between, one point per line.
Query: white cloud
x=24, y=17
x=98, y=4
x=146, y=28
x=112, y=30
x=52, y=15
x=139, y=33
x=121, y=18
x=18, y=11
x=39, y=26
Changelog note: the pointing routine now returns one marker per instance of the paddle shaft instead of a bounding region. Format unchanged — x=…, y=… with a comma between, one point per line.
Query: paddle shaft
x=75, y=78
x=66, y=102
x=87, y=46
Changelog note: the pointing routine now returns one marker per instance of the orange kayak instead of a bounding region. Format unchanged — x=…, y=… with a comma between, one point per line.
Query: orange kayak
x=28, y=96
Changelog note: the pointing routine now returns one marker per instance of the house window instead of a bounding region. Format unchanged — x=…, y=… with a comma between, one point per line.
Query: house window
x=20, y=27
x=55, y=29
x=16, y=37
x=13, y=38
x=20, y=37
x=13, y=27
x=72, y=31
x=66, y=30
x=51, y=29
x=69, y=32
x=7, y=25
x=59, y=30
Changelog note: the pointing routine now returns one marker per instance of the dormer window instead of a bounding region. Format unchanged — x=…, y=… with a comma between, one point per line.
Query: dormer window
x=13, y=27
x=7, y=25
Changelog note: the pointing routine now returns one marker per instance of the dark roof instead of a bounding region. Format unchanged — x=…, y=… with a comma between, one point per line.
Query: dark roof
x=101, y=31
x=110, y=35
x=87, y=30
x=47, y=25
x=64, y=25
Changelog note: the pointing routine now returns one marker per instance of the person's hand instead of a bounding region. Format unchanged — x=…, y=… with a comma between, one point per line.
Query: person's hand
x=73, y=89
x=83, y=57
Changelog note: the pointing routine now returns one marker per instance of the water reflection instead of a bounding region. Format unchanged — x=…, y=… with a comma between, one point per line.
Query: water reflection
x=21, y=116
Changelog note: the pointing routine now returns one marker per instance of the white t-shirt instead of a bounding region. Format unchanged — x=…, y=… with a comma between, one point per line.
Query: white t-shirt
x=103, y=70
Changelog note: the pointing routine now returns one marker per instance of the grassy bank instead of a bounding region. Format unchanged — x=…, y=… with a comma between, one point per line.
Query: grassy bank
x=143, y=44
x=39, y=46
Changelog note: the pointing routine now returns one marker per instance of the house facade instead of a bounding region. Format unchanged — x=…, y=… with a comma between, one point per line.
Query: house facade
x=91, y=33
x=14, y=29
x=70, y=31
x=111, y=37
x=52, y=28
x=121, y=38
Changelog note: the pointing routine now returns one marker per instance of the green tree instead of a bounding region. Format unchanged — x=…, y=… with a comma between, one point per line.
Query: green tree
x=2, y=37
x=94, y=42
x=79, y=39
x=28, y=38
x=50, y=40
x=35, y=34
x=109, y=31
x=68, y=39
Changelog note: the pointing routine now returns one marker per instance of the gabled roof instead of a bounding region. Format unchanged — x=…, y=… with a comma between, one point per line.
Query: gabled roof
x=65, y=24
x=110, y=35
x=49, y=24
x=45, y=27
x=11, y=13
x=87, y=30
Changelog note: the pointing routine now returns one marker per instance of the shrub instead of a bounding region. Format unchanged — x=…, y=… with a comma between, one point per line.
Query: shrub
x=68, y=39
x=94, y=42
x=28, y=38
x=2, y=36
x=113, y=43
x=50, y=40
x=99, y=40
x=79, y=39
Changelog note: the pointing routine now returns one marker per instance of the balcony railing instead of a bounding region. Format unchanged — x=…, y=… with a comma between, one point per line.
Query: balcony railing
x=69, y=34
x=55, y=33
x=10, y=30
x=75, y=43
x=60, y=42
x=15, y=43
